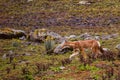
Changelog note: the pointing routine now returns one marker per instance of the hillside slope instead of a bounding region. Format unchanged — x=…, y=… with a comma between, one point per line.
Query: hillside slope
x=19, y=13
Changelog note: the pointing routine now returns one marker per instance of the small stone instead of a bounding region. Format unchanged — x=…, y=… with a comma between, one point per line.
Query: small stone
x=29, y=0
x=118, y=47
x=84, y=2
x=4, y=56
x=62, y=67
x=26, y=54
x=86, y=36
x=106, y=37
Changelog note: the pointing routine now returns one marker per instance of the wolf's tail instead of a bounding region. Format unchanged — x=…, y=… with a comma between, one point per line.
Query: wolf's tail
x=101, y=49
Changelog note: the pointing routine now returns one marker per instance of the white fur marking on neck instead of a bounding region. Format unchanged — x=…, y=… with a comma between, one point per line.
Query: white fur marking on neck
x=98, y=43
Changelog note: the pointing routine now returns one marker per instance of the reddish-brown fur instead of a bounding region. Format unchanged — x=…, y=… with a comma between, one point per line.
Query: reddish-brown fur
x=85, y=44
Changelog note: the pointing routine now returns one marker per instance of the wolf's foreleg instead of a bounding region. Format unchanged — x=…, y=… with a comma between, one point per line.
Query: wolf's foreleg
x=75, y=53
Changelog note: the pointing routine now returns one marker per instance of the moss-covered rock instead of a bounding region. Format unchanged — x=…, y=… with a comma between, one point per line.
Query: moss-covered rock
x=40, y=35
x=8, y=33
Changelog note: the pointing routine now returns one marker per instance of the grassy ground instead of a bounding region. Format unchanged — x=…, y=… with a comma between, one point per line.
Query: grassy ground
x=31, y=66
x=31, y=62
x=59, y=13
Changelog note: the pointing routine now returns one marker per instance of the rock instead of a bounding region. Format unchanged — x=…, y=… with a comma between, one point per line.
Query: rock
x=29, y=0
x=62, y=67
x=106, y=37
x=118, y=47
x=26, y=54
x=27, y=43
x=71, y=37
x=97, y=37
x=4, y=56
x=11, y=53
x=22, y=38
x=40, y=35
x=85, y=36
x=106, y=49
x=22, y=61
x=111, y=36
x=114, y=35
x=7, y=33
x=60, y=40
x=89, y=38
x=60, y=50
x=53, y=34
x=85, y=2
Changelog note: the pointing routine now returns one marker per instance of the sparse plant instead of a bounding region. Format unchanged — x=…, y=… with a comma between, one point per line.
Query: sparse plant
x=15, y=44
x=42, y=66
x=14, y=65
x=108, y=55
x=8, y=70
x=66, y=61
x=104, y=77
x=109, y=72
x=29, y=77
x=39, y=67
x=118, y=75
x=49, y=45
x=85, y=61
x=11, y=59
x=25, y=70
x=118, y=54
x=27, y=63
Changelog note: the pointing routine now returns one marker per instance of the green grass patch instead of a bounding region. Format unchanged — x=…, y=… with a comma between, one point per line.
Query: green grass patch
x=88, y=67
